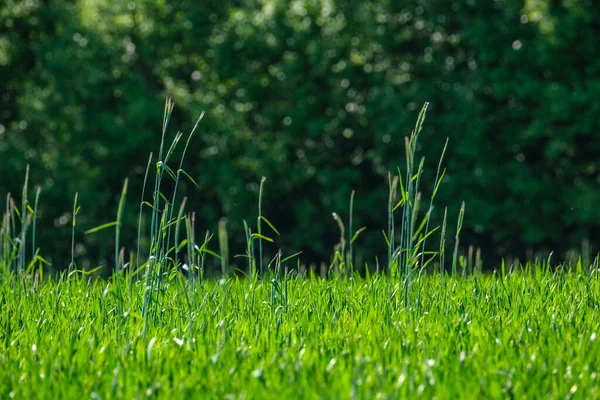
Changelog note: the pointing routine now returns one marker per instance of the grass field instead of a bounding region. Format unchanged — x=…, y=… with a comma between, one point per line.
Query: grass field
x=527, y=335
x=420, y=326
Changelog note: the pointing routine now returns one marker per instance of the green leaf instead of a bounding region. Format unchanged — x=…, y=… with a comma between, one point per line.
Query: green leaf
x=16, y=210
x=290, y=257
x=358, y=232
x=182, y=244
x=400, y=202
x=270, y=224
x=431, y=231
x=145, y=203
x=42, y=260
x=207, y=251
x=259, y=236
x=89, y=272
x=30, y=209
x=101, y=227
x=438, y=183
x=162, y=196
x=172, y=222
x=189, y=177
x=386, y=238
x=169, y=171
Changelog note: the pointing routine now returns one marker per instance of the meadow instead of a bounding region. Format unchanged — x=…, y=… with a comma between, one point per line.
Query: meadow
x=416, y=324
x=525, y=335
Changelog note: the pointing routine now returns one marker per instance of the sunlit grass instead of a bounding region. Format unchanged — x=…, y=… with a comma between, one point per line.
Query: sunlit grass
x=526, y=335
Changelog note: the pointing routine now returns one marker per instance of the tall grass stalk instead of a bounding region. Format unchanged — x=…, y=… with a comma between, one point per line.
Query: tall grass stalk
x=203, y=253
x=24, y=223
x=153, y=256
x=117, y=278
x=177, y=244
x=350, y=236
x=118, y=227
x=74, y=223
x=249, y=250
x=191, y=246
x=339, y=257
x=393, y=189
x=459, y=224
x=142, y=203
x=38, y=190
x=443, y=243
x=180, y=171
x=409, y=200
x=437, y=182
x=161, y=258
x=14, y=214
x=5, y=237
x=154, y=259
x=259, y=226
x=412, y=185
x=224, y=247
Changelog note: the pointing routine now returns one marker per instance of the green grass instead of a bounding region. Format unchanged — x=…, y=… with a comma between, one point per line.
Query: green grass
x=272, y=331
x=525, y=335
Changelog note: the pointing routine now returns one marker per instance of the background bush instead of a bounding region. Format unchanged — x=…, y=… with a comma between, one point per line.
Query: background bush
x=315, y=95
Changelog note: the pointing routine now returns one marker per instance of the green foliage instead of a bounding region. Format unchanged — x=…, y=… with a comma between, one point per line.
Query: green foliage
x=315, y=95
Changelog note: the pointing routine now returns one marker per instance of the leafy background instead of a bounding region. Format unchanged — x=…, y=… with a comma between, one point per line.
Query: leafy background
x=317, y=96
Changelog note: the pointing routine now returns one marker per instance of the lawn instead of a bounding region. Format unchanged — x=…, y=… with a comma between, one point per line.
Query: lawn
x=528, y=334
